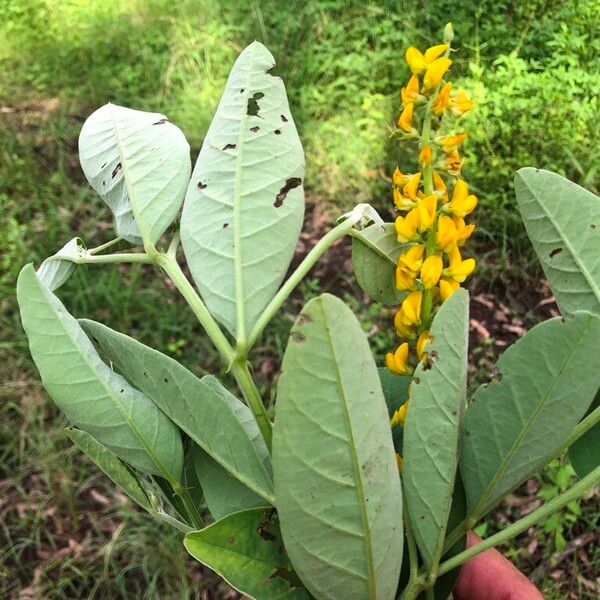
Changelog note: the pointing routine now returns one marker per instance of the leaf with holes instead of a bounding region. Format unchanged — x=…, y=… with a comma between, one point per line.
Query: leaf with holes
x=432, y=427
x=336, y=479
x=563, y=223
x=213, y=417
x=94, y=397
x=514, y=425
x=245, y=203
x=139, y=163
x=245, y=548
x=375, y=252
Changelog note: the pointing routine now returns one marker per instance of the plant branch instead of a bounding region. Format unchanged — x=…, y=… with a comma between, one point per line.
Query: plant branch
x=580, y=488
x=122, y=257
x=103, y=247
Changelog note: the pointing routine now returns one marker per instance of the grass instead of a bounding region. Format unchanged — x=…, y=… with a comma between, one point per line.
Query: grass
x=65, y=531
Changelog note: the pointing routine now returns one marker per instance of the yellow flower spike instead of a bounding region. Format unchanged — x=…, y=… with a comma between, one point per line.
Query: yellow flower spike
x=410, y=309
x=440, y=186
x=410, y=93
x=450, y=143
x=399, y=462
x=442, y=100
x=397, y=362
x=405, y=119
x=435, y=71
x=427, y=208
x=425, y=155
x=463, y=231
x=447, y=288
x=434, y=51
x=422, y=341
x=461, y=103
x=431, y=271
x=462, y=202
x=446, y=235
x=459, y=269
x=403, y=331
x=453, y=162
x=406, y=227
x=412, y=259
x=399, y=417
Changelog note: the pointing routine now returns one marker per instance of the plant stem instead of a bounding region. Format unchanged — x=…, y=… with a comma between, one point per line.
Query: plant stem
x=123, y=257
x=580, y=488
x=103, y=247
x=303, y=268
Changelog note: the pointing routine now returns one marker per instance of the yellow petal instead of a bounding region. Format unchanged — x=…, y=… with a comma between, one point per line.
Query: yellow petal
x=406, y=227
x=405, y=281
x=398, y=178
x=446, y=234
x=411, y=260
x=425, y=155
x=431, y=271
x=411, y=309
x=398, y=361
x=427, y=208
x=410, y=93
x=463, y=231
x=422, y=341
x=415, y=60
x=459, y=269
x=442, y=100
x=411, y=188
x=405, y=119
x=452, y=162
x=403, y=331
x=450, y=143
x=432, y=53
x=435, y=71
x=461, y=103
x=447, y=288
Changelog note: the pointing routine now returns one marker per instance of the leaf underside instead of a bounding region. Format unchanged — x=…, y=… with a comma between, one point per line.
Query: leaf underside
x=585, y=452
x=336, y=480
x=245, y=202
x=432, y=427
x=514, y=425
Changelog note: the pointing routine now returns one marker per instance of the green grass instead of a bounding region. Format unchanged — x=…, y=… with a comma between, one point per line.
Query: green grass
x=534, y=70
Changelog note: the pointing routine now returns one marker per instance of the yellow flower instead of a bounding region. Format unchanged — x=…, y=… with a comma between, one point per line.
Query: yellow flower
x=403, y=331
x=398, y=361
x=399, y=178
x=462, y=202
x=463, y=231
x=406, y=227
x=399, y=462
x=405, y=281
x=442, y=100
x=446, y=235
x=407, y=199
x=427, y=207
x=459, y=269
x=410, y=309
x=410, y=93
x=461, y=103
x=399, y=417
x=452, y=162
x=435, y=71
x=439, y=186
x=419, y=62
x=431, y=271
x=405, y=119
x=412, y=259
x=422, y=341
x=447, y=288
x=450, y=143
x=425, y=155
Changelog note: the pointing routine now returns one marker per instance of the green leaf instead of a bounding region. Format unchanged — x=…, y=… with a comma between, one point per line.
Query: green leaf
x=432, y=427
x=563, y=223
x=585, y=452
x=56, y=269
x=375, y=252
x=93, y=397
x=139, y=164
x=336, y=479
x=215, y=419
x=395, y=389
x=111, y=465
x=514, y=425
x=245, y=203
x=245, y=548
x=224, y=494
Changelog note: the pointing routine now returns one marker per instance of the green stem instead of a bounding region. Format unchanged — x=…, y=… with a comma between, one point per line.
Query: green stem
x=123, y=257
x=296, y=277
x=103, y=247
x=579, y=489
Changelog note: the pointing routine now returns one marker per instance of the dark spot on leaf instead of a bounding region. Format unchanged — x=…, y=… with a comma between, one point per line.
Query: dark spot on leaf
x=290, y=184
x=592, y=226
x=166, y=380
x=277, y=132
x=228, y=147
x=164, y=120
x=297, y=336
x=95, y=339
x=416, y=381
x=242, y=90
x=122, y=391
x=225, y=225
x=116, y=170
x=304, y=318
x=284, y=118
x=422, y=517
x=102, y=167
x=231, y=540
x=555, y=252
x=201, y=185
x=263, y=528
x=145, y=375
x=269, y=69
x=254, y=129
x=253, y=107
x=287, y=575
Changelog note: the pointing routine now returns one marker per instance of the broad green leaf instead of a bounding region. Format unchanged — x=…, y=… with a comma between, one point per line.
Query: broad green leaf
x=215, y=419
x=111, y=465
x=375, y=252
x=56, y=269
x=563, y=223
x=245, y=203
x=139, y=164
x=246, y=549
x=515, y=424
x=432, y=427
x=395, y=389
x=94, y=398
x=585, y=452
x=336, y=479
x=224, y=494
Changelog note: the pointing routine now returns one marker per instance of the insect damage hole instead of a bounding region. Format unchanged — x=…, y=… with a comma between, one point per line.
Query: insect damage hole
x=290, y=184
x=253, y=108
x=228, y=147
x=555, y=252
